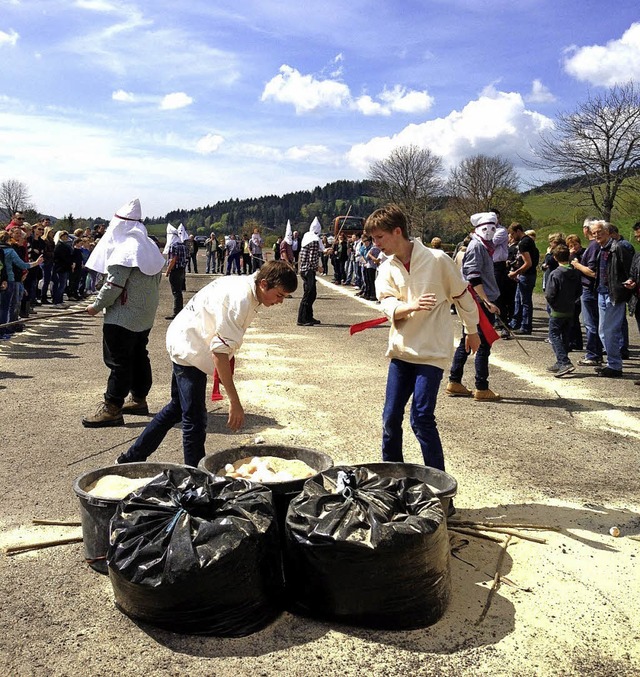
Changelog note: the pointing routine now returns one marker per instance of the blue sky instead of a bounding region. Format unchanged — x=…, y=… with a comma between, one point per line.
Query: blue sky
x=185, y=104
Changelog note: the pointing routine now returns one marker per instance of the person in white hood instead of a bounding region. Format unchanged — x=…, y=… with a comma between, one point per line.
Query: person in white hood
x=310, y=249
x=128, y=299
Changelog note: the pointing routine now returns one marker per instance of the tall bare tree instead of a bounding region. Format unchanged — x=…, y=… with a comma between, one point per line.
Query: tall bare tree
x=481, y=182
x=599, y=142
x=410, y=177
x=14, y=197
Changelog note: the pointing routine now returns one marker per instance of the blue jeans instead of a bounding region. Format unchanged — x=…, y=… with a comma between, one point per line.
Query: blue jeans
x=610, y=328
x=560, y=337
x=589, y=302
x=422, y=381
x=211, y=262
x=188, y=404
x=59, y=285
x=481, y=361
x=523, y=310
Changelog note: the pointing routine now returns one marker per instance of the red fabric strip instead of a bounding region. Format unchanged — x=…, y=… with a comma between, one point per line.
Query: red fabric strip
x=215, y=393
x=361, y=326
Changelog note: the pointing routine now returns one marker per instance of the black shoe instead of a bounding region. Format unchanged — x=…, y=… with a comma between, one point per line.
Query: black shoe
x=451, y=511
x=123, y=458
x=170, y=317
x=45, y=302
x=305, y=324
x=522, y=332
x=609, y=373
x=567, y=369
x=624, y=354
x=314, y=321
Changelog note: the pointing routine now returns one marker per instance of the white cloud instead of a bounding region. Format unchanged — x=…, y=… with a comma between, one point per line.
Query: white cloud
x=616, y=62
x=495, y=124
x=316, y=153
x=539, y=93
x=307, y=93
x=209, y=143
x=121, y=95
x=97, y=5
x=10, y=38
x=175, y=100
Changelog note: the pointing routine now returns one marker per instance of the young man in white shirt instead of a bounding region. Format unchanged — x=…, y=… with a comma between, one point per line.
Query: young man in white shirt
x=416, y=287
x=205, y=335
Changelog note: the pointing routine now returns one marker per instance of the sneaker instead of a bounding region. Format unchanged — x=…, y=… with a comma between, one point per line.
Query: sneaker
x=107, y=415
x=554, y=369
x=566, y=369
x=454, y=389
x=505, y=335
x=586, y=362
x=522, y=332
x=135, y=405
x=607, y=372
x=485, y=395
x=305, y=324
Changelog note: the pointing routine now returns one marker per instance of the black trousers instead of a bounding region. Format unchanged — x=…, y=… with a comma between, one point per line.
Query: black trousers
x=125, y=354
x=309, y=294
x=176, y=280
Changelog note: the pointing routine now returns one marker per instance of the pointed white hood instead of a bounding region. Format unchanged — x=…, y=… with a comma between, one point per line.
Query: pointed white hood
x=182, y=232
x=126, y=243
x=172, y=237
x=313, y=233
x=288, y=235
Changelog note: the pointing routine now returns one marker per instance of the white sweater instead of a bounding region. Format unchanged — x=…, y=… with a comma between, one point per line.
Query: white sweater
x=424, y=336
x=214, y=321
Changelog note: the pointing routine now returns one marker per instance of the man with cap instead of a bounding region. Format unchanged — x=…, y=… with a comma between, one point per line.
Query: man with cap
x=310, y=249
x=478, y=271
x=416, y=286
x=128, y=299
x=177, y=256
x=205, y=336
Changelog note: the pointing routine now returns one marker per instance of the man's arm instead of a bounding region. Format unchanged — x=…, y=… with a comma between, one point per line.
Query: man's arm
x=236, y=412
x=171, y=265
x=527, y=263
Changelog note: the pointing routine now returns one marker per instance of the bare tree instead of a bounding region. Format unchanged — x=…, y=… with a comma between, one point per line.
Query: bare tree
x=14, y=197
x=410, y=177
x=481, y=182
x=599, y=142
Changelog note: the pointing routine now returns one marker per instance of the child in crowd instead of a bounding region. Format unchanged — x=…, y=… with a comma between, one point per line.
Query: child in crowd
x=563, y=288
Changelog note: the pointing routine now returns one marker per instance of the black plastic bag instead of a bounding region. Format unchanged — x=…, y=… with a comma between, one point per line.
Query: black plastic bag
x=368, y=550
x=192, y=553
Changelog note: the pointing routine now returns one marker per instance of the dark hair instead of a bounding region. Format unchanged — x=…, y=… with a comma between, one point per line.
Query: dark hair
x=560, y=253
x=515, y=226
x=636, y=225
x=387, y=218
x=495, y=211
x=278, y=274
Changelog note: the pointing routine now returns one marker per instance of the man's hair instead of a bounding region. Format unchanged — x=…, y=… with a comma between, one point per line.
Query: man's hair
x=387, y=219
x=613, y=229
x=588, y=221
x=636, y=225
x=495, y=211
x=603, y=224
x=560, y=253
x=515, y=226
x=278, y=274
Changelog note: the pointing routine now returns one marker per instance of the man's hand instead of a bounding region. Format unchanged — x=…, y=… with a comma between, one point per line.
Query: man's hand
x=492, y=307
x=236, y=416
x=472, y=342
x=92, y=310
x=426, y=302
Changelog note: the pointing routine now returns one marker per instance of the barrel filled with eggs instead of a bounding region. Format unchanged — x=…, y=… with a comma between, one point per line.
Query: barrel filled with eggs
x=99, y=492
x=283, y=469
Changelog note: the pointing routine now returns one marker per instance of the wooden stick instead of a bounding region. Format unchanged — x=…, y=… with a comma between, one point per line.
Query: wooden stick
x=17, y=549
x=511, y=532
x=55, y=523
x=476, y=534
x=496, y=582
x=22, y=320
x=514, y=525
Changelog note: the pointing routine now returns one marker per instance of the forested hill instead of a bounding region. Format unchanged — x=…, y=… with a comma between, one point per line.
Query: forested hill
x=272, y=211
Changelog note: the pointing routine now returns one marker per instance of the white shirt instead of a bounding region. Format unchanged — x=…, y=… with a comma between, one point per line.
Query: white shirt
x=214, y=321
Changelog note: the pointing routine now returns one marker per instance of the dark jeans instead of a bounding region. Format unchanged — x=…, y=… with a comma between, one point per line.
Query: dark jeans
x=233, y=261
x=340, y=274
x=590, y=317
x=47, y=271
x=309, y=294
x=176, y=280
x=507, y=290
x=560, y=338
x=6, y=297
x=125, y=354
x=422, y=381
x=188, y=404
x=369, y=283
x=523, y=310
x=481, y=360
x=256, y=262
x=59, y=285
x=246, y=264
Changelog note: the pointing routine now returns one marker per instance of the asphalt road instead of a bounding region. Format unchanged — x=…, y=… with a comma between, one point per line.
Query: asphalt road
x=561, y=451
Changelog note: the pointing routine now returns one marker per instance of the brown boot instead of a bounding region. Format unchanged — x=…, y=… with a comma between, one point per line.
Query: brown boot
x=457, y=390
x=106, y=415
x=135, y=405
x=485, y=396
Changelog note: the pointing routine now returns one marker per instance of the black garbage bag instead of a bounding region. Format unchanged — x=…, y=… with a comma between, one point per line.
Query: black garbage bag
x=367, y=550
x=196, y=554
